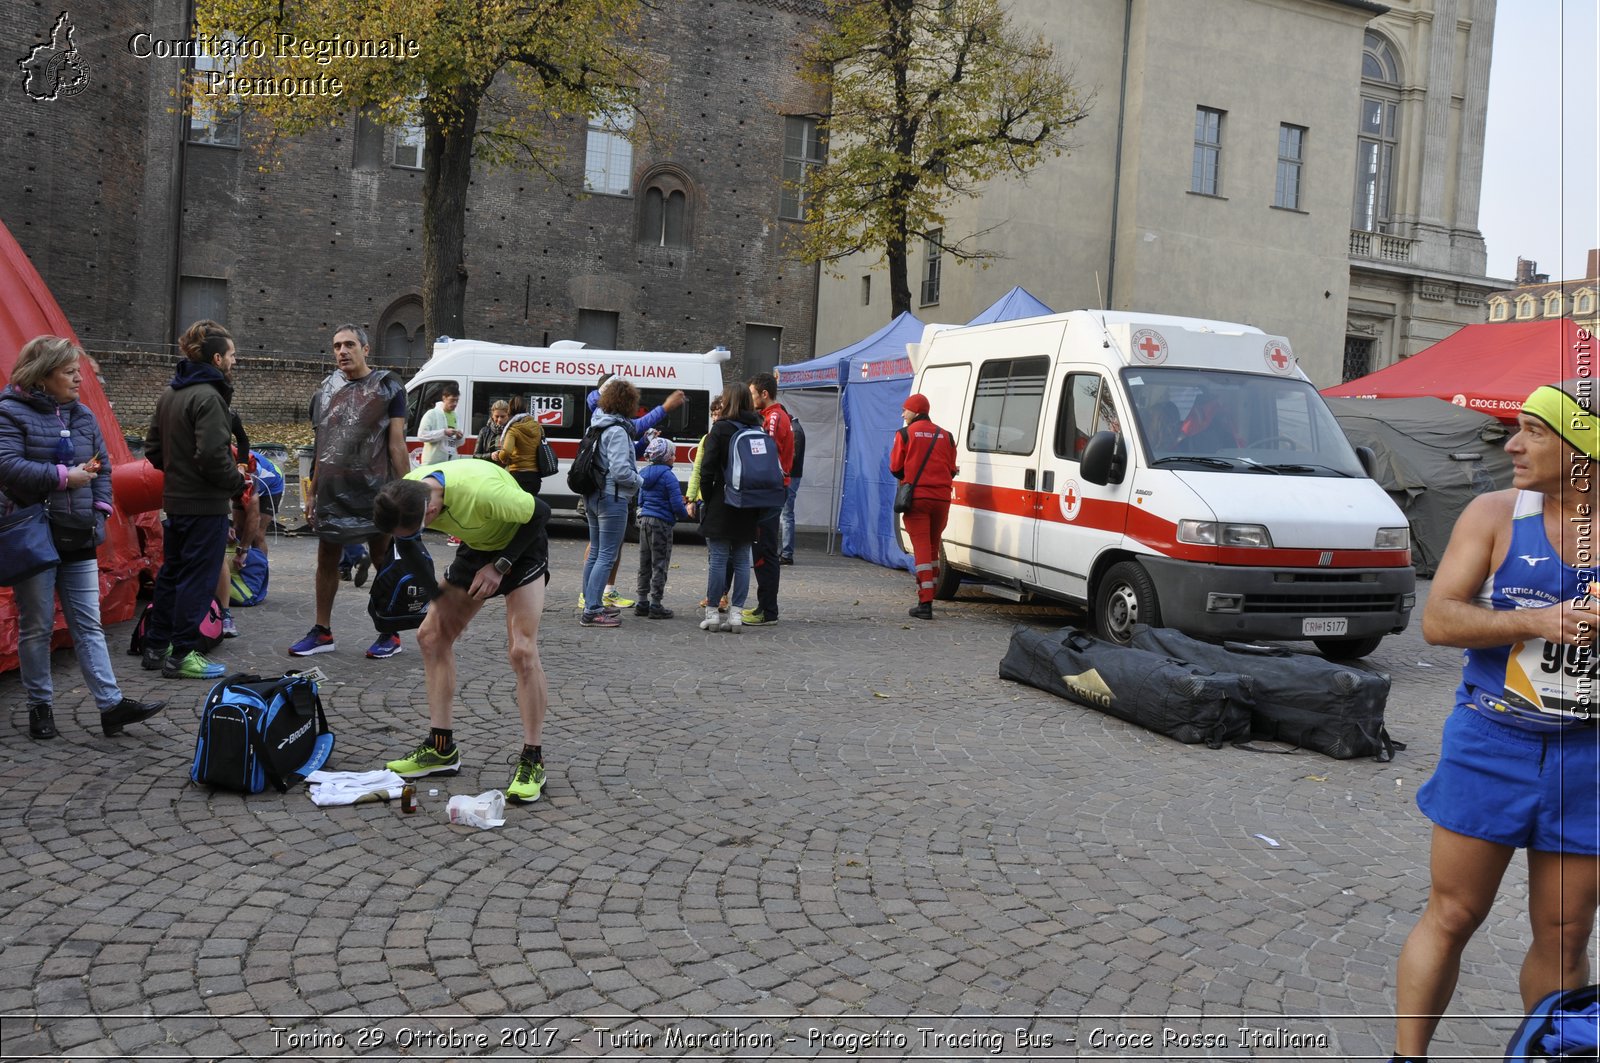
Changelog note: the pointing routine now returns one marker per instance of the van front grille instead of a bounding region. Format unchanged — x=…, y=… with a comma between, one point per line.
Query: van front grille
x=1318, y=604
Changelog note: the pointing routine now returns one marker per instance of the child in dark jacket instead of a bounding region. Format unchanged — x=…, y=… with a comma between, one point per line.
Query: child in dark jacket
x=660, y=507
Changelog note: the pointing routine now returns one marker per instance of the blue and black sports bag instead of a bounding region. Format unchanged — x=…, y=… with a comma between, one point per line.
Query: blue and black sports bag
x=256, y=731
x=403, y=587
x=1563, y=1025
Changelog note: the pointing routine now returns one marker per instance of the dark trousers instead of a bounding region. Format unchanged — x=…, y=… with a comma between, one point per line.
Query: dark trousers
x=192, y=552
x=655, y=556
x=769, y=538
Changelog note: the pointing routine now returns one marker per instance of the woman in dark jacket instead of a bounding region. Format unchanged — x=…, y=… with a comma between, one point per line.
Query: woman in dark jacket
x=51, y=451
x=728, y=530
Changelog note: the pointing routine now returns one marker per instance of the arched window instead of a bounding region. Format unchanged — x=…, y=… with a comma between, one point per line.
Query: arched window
x=1552, y=305
x=399, y=340
x=1499, y=309
x=1524, y=307
x=1377, y=136
x=664, y=215
x=1583, y=301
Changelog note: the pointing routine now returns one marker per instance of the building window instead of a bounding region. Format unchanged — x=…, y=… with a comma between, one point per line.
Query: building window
x=1206, y=175
x=1583, y=302
x=608, y=156
x=802, y=150
x=1291, y=153
x=213, y=119
x=201, y=298
x=932, y=254
x=408, y=143
x=1524, y=307
x=368, y=143
x=664, y=210
x=866, y=289
x=1499, y=309
x=1552, y=305
x=1357, y=358
x=1377, y=138
x=598, y=329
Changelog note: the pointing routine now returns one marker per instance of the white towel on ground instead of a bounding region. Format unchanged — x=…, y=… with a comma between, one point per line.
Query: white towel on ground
x=350, y=787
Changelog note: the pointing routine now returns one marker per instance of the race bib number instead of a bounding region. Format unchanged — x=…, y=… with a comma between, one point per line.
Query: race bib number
x=1552, y=678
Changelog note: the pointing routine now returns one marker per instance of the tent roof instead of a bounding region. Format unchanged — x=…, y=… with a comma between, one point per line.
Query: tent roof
x=886, y=358
x=1017, y=303
x=827, y=371
x=1490, y=368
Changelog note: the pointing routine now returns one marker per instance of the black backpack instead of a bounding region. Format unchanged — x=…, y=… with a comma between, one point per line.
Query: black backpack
x=256, y=731
x=587, y=473
x=403, y=588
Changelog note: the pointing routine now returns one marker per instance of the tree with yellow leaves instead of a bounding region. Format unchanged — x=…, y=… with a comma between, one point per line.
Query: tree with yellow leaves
x=930, y=99
x=491, y=80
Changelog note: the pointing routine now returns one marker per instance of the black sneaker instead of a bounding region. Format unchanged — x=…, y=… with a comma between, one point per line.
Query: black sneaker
x=41, y=721
x=660, y=612
x=921, y=611
x=359, y=577
x=127, y=711
x=641, y=608
x=151, y=659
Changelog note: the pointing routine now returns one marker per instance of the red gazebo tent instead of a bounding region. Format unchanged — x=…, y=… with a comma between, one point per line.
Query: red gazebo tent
x=1490, y=368
x=27, y=309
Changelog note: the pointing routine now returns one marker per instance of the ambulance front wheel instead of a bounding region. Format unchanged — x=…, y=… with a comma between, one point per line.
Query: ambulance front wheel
x=1127, y=596
x=1347, y=649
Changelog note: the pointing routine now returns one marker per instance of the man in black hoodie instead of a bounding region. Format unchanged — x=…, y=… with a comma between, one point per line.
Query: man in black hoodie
x=189, y=440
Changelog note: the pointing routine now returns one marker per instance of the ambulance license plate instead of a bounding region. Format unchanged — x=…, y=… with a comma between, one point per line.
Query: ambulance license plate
x=1324, y=625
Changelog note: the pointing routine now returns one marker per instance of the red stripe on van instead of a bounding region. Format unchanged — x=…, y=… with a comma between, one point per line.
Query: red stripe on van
x=1158, y=533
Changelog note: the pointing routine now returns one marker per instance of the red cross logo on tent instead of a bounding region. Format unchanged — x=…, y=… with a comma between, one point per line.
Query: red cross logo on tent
x=1149, y=348
x=1071, y=500
x=1279, y=359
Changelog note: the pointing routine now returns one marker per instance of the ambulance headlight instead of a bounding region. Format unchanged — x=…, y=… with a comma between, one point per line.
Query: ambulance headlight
x=1218, y=533
x=1393, y=539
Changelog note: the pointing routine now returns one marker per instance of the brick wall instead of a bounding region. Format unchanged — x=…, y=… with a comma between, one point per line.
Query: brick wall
x=265, y=389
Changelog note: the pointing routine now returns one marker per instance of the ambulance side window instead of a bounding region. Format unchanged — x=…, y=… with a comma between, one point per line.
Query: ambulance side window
x=485, y=395
x=1086, y=408
x=688, y=422
x=1005, y=410
x=420, y=400
x=562, y=408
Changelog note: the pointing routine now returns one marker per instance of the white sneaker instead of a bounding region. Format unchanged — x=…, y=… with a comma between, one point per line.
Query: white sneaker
x=711, y=621
x=733, y=621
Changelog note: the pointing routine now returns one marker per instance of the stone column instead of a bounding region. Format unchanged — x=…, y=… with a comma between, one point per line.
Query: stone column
x=1435, y=157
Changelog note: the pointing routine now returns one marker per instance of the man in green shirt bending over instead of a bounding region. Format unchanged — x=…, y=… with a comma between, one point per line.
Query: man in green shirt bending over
x=504, y=550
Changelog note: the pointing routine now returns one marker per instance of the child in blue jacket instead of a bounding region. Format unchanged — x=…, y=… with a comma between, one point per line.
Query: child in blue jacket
x=660, y=507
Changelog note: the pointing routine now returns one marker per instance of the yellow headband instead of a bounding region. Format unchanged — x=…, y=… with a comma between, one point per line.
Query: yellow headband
x=1570, y=419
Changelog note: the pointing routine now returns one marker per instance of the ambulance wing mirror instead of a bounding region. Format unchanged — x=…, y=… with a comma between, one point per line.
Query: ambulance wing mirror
x=1369, y=461
x=1104, y=459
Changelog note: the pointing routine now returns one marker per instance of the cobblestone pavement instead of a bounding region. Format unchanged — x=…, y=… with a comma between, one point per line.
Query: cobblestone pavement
x=838, y=836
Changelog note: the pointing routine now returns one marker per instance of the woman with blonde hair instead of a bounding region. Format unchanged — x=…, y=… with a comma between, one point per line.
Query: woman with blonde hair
x=51, y=451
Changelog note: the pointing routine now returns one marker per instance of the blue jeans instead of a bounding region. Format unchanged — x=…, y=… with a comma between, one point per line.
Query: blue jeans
x=719, y=552
x=78, y=584
x=608, y=522
x=786, y=519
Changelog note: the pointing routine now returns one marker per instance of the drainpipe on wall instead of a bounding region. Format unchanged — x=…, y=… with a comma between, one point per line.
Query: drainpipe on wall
x=175, y=186
x=1116, y=170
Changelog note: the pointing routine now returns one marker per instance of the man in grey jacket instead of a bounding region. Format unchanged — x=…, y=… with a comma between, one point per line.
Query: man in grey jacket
x=190, y=440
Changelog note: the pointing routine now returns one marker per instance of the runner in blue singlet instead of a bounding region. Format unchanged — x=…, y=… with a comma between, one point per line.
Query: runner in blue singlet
x=1519, y=763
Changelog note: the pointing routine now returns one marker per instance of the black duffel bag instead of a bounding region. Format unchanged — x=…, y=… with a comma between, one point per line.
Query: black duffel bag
x=1187, y=702
x=1325, y=706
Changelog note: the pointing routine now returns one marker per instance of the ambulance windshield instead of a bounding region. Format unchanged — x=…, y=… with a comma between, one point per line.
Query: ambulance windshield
x=1238, y=421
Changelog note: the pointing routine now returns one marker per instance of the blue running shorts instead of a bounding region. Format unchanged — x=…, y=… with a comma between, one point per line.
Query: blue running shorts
x=1510, y=786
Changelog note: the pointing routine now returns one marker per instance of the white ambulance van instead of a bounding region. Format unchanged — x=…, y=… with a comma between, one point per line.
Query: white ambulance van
x=555, y=382
x=1162, y=470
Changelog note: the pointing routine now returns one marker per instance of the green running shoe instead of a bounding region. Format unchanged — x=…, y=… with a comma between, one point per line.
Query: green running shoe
x=755, y=618
x=526, y=782
x=613, y=600
x=425, y=760
x=193, y=665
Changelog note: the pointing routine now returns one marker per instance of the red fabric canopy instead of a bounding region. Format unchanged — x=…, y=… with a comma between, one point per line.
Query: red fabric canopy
x=1490, y=368
x=27, y=309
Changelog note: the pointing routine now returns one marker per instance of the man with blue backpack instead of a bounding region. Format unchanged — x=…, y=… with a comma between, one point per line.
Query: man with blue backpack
x=769, y=531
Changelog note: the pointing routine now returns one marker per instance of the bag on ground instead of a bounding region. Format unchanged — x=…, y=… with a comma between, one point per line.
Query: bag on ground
x=248, y=586
x=1183, y=701
x=210, y=629
x=403, y=588
x=754, y=475
x=587, y=473
x=1328, y=707
x=1563, y=1025
x=257, y=732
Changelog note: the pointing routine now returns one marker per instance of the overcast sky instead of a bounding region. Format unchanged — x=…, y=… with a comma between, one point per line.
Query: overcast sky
x=1540, y=161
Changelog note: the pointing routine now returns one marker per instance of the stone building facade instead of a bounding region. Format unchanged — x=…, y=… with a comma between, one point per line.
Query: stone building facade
x=1310, y=167
x=1537, y=296
x=142, y=218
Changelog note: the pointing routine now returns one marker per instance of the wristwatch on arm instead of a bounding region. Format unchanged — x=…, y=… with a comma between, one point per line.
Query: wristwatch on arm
x=502, y=564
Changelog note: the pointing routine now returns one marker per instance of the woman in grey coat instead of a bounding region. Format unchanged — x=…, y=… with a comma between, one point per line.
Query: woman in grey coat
x=51, y=451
